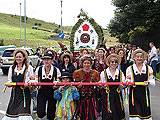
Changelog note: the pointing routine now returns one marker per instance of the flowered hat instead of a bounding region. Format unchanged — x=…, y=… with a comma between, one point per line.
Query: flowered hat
x=23, y=51
x=66, y=54
x=84, y=49
x=86, y=57
x=113, y=56
x=139, y=51
x=101, y=48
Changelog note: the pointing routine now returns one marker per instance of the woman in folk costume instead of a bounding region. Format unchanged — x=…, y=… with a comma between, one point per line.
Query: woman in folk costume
x=112, y=107
x=66, y=64
x=46, y=73
x=139, y=96
x=123, y=65
x=99, y=62
x=20, y=100
x=87, y=105
x=99, y=65
x=66, y=97
x=83, y=51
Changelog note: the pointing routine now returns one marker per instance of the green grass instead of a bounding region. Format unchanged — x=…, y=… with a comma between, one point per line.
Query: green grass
x=36, y=43
x=158, y=75
x=13, y=20
x=10, y=28
x=10, y=32
x=34, y=38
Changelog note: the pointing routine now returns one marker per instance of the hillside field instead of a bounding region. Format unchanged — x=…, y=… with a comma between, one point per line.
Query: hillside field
x=10, y=32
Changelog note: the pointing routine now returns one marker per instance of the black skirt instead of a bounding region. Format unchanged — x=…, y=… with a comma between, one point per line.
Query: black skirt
x=19, y=104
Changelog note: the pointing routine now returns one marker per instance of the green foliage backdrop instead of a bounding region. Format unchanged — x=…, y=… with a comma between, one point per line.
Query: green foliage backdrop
x=136, y=21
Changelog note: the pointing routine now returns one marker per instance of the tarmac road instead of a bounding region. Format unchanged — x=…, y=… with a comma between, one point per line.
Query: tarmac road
x=155, y=98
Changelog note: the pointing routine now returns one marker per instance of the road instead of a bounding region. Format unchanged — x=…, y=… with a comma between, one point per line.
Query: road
x=155, y=98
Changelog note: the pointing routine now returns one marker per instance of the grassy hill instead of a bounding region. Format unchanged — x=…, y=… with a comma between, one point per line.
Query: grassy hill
x=110, y=41
x=10, y=32
x=13, y=20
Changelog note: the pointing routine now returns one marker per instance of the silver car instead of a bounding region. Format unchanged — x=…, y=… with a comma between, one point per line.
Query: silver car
x=6, y=60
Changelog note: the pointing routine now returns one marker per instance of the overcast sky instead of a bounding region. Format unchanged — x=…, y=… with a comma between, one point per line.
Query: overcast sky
x=49, y=10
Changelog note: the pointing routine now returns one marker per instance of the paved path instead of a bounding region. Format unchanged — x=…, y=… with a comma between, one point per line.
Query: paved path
x=155, y=98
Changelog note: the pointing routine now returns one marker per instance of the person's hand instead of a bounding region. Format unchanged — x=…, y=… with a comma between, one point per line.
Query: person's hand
x=61, y=88
x=79, y=86
x=8, y=84
x=55, y=86
x=32, y=77
x=32, y=82
x=121, y=87
x=146, y=83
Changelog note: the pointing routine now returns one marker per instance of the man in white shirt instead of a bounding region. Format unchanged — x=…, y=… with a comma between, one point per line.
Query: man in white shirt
x=153, y=57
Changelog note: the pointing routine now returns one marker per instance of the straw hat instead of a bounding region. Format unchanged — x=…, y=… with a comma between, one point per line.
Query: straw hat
x=21, y=50
x=113, y=56
x=101, y=49
x=66, y=54
x=84, y=49
x=139, y=51
x=86, y=57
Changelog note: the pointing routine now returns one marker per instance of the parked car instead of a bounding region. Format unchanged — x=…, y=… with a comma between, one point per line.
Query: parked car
x=2, y=48
x=6, y=60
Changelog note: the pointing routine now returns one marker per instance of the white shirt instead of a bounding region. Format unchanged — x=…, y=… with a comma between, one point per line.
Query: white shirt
x=129, y=74
x=49, y=76
x=108, y=73
x=153, y=53
x=29, y=72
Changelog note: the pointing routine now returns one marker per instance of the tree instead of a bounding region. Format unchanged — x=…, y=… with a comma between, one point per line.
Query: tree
x=35, y=24
x=39, y=24
x=1, y=42
x=135, y=20
x=23, y=18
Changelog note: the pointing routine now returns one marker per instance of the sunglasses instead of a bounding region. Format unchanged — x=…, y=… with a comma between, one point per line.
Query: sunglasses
x=114, y=61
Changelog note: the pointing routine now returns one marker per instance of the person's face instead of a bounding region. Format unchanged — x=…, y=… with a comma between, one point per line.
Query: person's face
x=113, y=63
x=87, y=64
x=150, y=44
x=134, y=48
x=65, y=80
x=66, y=59
x=85, y=52
x=101, y=53
x=112, y=50
x=19, y=58
x=139, y=58
x=47, y=62
x=121, y=53
x=129, y=46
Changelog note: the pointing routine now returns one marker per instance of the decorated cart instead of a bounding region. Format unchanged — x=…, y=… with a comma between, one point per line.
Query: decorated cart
x=86, y=33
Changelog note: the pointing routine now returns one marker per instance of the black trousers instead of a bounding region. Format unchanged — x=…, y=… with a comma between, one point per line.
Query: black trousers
x=45, y=97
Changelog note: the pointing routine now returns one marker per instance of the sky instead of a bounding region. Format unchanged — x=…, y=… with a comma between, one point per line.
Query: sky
x=50, y=10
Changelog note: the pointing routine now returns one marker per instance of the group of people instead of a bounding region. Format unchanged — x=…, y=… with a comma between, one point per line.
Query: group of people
x=82, y=102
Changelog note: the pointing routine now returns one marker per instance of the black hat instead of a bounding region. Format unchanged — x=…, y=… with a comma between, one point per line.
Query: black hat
x=48, y=55
x=65, y=75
